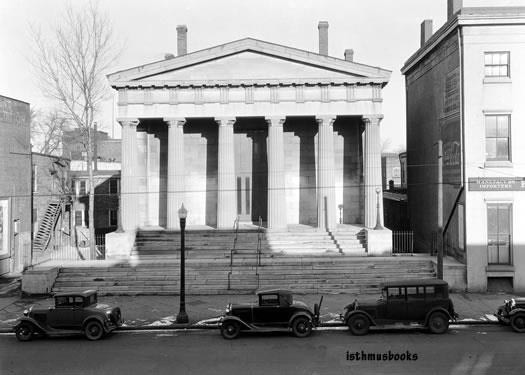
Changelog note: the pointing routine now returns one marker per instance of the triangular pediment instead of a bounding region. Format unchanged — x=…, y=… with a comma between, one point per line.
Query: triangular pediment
x=249, y=60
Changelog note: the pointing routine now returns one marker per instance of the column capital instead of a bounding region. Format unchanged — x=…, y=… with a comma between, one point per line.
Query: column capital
x=132, y=122
x=275, y=120
x=175, y=121
x=326, y=120
x=225, y=121
x=372, y=119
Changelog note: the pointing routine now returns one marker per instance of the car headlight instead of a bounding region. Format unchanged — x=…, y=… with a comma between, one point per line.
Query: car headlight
x=26, y=312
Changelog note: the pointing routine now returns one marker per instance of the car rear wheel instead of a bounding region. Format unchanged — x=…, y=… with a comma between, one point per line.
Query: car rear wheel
x=24, y=332
x=302, y=327
x=438, y=323
x=230, y=330
x=517, y=322
x=93, y=330
x=359, y=325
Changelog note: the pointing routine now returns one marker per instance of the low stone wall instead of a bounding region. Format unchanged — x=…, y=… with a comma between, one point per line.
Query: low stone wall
x=454, y=273
x=39, y=281
x=119, y=244
x=379, y=242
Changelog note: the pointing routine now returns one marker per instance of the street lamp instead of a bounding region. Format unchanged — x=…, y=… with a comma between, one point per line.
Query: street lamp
x=378, y=215
x=182, y=317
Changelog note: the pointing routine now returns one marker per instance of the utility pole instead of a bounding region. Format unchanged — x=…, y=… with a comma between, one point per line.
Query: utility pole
x=440, y=211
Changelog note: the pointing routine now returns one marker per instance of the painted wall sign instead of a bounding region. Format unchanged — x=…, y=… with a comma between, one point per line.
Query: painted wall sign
x=496, y=184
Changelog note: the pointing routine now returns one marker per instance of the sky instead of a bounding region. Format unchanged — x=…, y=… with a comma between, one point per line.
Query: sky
x=382, y=33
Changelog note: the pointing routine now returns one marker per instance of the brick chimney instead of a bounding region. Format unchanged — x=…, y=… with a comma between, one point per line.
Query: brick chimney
x=453, y=6
x=426, y=31
x=323, y=38
x=182, y=40
x=349, y=54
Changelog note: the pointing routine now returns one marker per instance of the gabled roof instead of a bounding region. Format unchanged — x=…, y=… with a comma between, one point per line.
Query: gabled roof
x=338, y=68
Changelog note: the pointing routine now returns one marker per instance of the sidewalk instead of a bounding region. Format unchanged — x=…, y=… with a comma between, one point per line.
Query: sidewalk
x=143, y=312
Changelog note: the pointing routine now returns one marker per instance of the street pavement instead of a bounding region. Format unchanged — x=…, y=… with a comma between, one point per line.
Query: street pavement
x=143, y=312
x=464, y=349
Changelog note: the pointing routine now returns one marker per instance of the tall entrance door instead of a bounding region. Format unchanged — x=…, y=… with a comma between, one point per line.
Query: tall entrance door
x=243, y=175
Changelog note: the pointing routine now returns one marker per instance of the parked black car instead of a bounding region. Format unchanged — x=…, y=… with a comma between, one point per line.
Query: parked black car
x=513, y=313
x=73, y=313
x=275, y=311
x=424, y=302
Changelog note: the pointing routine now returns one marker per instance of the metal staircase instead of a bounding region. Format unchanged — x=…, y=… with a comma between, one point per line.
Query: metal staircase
x=47, y=225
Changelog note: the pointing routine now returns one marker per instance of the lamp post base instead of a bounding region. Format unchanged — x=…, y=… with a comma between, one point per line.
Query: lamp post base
x=182, y=317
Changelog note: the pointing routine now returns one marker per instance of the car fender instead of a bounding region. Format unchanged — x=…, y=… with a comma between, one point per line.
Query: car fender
x=437, y=309
x=31, y=321
x=298, y=314
x=243, y=324
x=516, y=311
x=361, y=312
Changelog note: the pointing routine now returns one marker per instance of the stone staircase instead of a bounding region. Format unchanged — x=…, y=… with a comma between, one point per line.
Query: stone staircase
x=304, y=261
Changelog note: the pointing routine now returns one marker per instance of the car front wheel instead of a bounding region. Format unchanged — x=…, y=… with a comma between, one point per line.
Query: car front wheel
x=359, y=325
x=24, y=332
x=302, y=327
x=438, y=323
x=93, y=330
x=230, y=330
x=517, y=322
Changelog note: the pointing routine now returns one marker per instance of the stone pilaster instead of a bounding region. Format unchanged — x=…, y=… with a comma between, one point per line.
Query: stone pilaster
x=326, y=210
x=372, y=170
x=175, y=196
x=128, y=183
x=276, y=184
x=226, y=202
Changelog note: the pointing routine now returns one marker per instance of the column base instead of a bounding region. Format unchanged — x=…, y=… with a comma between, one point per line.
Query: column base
x=379, y=242
x=119, y=244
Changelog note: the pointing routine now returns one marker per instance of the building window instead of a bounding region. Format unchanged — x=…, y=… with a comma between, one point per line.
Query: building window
x=497, y=64
x=112, y=216
x=82, y=187
x=497, y=137
x=499, y=233
x=113, y=186
x=79, y=218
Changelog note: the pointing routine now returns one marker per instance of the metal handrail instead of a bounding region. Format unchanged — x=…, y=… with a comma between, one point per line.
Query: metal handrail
x=259, y=240
x=232, y=250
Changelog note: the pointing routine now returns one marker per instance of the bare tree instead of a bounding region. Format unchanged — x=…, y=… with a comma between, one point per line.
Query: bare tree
x=46, y=131
x=71, y=62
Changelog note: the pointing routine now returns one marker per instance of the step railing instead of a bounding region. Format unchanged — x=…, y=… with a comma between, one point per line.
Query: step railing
x=259, y=242
x=232, y=250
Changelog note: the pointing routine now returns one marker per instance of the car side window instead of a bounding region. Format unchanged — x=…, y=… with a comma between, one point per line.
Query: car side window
x=414, y=292
x=78, y=301
x=396, y=293
x=269, y=300
x=61, y=301
x=429, y=292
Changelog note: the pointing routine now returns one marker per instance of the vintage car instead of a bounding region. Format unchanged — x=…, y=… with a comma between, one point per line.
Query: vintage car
x=73, y=313
x=425, y=302
x=513, y=313
x=275, y=310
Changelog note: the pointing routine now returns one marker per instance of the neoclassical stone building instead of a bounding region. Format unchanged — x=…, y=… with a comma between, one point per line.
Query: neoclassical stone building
x=251, y=129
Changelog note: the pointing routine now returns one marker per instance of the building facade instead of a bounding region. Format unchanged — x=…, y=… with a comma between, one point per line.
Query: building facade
x=250, y=130
x=465, y=92
x=15, y=185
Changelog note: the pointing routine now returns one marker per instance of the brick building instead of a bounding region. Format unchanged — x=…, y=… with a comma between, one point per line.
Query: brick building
x=15, y=185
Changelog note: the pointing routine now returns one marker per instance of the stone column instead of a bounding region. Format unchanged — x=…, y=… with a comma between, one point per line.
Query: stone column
x=226, y=202
x=372, y=170
x=175, y=184
x=128, y=176
x=326, y=212
x=276, y=184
